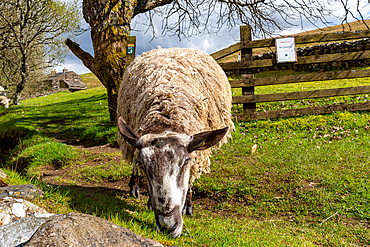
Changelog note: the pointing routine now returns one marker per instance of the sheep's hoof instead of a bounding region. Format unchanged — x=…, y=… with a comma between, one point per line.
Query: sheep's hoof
x=135, y=191
x=188, y=210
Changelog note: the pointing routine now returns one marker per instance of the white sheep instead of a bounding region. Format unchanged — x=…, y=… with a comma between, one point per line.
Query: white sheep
x=4, y=102
x=172, y=102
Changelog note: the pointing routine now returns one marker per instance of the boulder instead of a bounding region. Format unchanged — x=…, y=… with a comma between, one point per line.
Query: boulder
x=24, y=191
x=20, y=231
x=80, y=230
x=15, y=209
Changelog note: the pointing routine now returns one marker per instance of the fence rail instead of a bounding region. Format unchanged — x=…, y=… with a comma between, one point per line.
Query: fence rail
x=319, y=110
x=301, y=95
x=326, y=58
x=299, y=39
x=248, y=82
x=335, y=75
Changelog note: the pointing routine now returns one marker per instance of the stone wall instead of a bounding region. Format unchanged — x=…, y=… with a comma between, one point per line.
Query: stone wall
x=42, y=93
x=328, y=48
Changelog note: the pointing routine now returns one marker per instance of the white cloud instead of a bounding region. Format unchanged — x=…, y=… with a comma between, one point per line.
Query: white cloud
x=77, y=67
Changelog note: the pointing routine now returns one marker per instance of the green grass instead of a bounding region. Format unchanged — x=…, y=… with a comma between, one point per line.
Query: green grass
x=81, y=114
x=41, y=152
x=112, y=172
x=90, y=80
x=307, y=184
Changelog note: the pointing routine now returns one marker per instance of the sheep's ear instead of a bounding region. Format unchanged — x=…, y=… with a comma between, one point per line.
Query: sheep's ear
x=128, y=133
x=206, y=140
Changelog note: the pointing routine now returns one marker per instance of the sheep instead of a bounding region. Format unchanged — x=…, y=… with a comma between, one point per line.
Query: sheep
x=4, y=102
x=174, y=108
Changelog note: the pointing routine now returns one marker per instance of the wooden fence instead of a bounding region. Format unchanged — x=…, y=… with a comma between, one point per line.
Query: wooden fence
x=248, y=82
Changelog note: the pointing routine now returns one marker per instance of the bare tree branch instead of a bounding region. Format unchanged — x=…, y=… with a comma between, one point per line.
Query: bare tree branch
x=147, y=5
x=267, y=17
x=85, y=57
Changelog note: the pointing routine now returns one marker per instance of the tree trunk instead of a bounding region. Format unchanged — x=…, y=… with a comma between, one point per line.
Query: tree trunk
x=24, y=80
x=110, y=54
x=110, y=27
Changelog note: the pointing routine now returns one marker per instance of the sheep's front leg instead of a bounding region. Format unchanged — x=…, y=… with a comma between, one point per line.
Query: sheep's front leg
x=188, y=207
x=134, y=184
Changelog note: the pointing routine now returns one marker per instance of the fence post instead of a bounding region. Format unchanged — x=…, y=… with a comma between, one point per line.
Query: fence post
x=246, y=74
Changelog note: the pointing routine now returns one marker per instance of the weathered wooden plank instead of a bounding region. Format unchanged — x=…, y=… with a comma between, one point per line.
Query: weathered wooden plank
x=336, y=57
x=303, y=111
x=241, y=83
x=227, y=51
x=312, y=38
x=335, y=75
x=247, y=64
x=301, y=95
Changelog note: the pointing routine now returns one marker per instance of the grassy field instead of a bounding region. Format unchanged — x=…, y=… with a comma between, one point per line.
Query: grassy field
x=307, y=184
x=90, y=80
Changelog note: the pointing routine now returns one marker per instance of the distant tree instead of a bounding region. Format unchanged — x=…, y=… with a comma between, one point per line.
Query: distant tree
x=8, y=69
x=32, y=34
x=110, y=25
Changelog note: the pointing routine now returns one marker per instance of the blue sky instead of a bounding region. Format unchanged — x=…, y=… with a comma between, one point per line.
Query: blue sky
x=208, y=43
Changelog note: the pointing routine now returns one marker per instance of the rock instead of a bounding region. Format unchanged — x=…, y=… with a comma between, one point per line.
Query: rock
x=24, y=191
x=2, y=174
x=19, y=210
x=15, y=209
x=20, y=231
x=2, y=183
x=75, y=229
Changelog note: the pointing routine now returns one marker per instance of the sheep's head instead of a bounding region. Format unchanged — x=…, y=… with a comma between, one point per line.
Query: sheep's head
x=165, y=159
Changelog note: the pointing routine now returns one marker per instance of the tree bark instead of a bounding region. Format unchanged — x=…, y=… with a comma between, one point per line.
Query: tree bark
x=23, y=82
x=110, y=27
x=110, y=63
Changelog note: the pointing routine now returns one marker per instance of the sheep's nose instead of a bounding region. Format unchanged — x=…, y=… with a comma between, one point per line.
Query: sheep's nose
x=173, y=227
x=176, y=230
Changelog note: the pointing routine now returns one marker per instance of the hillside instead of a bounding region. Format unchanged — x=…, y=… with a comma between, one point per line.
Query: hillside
x=352, y=26
x=90, y=80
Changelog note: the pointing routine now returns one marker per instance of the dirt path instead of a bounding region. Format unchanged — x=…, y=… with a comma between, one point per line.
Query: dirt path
x=96, y=156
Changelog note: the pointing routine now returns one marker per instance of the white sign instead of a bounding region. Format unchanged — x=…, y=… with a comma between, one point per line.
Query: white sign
x=285, y=50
